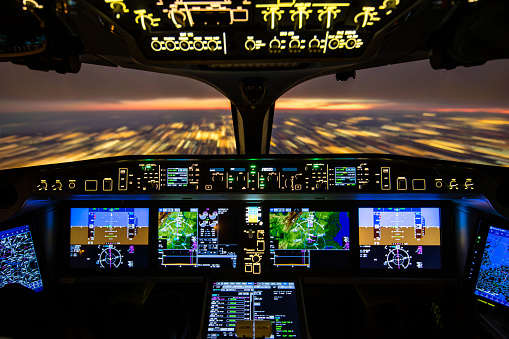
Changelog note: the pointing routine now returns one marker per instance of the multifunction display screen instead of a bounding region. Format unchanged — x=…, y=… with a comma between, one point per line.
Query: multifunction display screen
x=197, y=237
x=304, y=237
x=233, y=301
x=492, y=281
x=400, y=238
x=18, y=262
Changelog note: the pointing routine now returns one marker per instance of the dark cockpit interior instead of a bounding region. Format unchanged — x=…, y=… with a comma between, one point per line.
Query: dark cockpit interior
x=254, y=245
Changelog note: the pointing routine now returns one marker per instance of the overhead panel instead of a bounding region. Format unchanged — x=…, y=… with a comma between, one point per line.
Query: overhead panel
x=251, y=30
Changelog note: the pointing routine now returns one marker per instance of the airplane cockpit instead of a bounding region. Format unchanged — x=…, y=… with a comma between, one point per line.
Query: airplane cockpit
x=254, y=244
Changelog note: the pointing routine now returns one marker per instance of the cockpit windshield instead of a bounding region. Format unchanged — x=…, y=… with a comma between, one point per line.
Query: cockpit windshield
x=406, y=109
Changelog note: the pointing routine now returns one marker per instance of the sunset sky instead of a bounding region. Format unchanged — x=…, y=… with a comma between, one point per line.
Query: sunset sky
x=412, y=86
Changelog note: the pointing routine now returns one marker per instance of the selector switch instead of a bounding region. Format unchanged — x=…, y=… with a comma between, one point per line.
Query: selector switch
x=250, y=234
x=122, y=179
x=255, y=258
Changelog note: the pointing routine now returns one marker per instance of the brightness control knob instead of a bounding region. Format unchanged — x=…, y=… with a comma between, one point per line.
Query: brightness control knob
x=255, y=258
x=275, y=44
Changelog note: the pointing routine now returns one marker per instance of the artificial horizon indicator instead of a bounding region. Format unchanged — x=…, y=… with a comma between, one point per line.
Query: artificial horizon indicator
x=400, y=238
x=109, y=238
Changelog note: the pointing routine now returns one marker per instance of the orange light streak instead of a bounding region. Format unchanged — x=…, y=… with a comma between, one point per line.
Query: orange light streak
x=473, y=110
x=290, y=104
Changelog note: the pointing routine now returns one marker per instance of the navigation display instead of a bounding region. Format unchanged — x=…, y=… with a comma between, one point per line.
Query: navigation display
x=18, y=262
x=400, y=238
x=109, y=237
x=196, y=237
x=494, y=271
x=233, y=301
x=303, y=237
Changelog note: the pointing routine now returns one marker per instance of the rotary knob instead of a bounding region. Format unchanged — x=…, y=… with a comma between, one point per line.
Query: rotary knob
x=255, y=258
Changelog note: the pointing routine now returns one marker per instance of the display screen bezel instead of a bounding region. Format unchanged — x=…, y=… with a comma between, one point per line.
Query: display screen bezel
x=474, y=261
x=38, y=248
x=446, y=222
x=345, y=255
x=118, y=251
x=235, y=217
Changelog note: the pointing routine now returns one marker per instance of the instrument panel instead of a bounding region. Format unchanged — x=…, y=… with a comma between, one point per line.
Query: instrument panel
x=257, y=175
x=238, y=238
x=352, y=221
x=331, y=217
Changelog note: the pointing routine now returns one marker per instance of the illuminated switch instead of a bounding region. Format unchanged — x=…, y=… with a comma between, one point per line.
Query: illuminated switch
x=43, y=186
x=107, y=184
x=260, y=245
x=257, y=268
x=255, y=258
x=401, y=184
x=57, y=186
x=453, y=184
x=469, y=184
x=250, y=234
x=122, y=179
x=91, y=185
x=208, y=187
x=386, y=178
x=419, y=184
x=248, y=268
